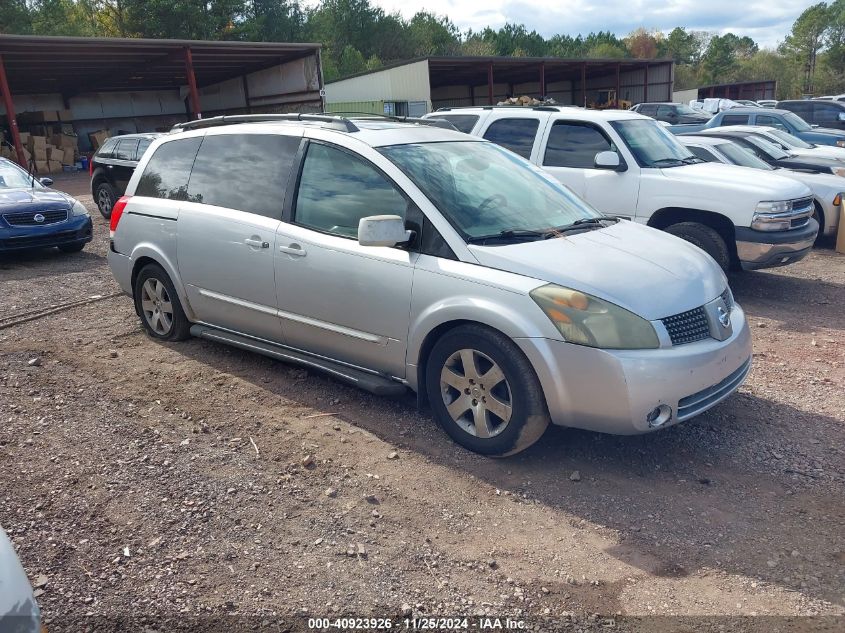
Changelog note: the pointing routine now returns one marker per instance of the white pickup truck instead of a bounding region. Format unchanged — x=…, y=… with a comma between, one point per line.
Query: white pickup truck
x=628, y=165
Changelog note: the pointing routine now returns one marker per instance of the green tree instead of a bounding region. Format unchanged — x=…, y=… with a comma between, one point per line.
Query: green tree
x=606, y=50
x=60, y=17
x=272, y=21
x=15, y=17
x=682, y=46
x=642, y=44
x=433, y=35
x=351, y=61
x=807, y=39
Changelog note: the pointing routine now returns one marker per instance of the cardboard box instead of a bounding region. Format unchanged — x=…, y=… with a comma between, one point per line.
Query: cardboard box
x=98, y=138
x=39, y=154
x=64, y=141
x=27, y=154
x=24, y=137
x=56, y=154
x=65, y=115
x=37, y=142
x=55, y=166
x=42, y=167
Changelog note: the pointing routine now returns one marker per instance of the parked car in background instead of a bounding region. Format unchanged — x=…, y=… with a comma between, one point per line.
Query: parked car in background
x=791, y=144
x=672, y=112
x=749, y=103
x=775, y=156
x=767, y=103
x=783, y=119
x=19, y=611
x=34, y=216
x=624, y=163
x=827, y=114
x=830, y=98
x=112, y=166
x=827, y=189
x=411, y=256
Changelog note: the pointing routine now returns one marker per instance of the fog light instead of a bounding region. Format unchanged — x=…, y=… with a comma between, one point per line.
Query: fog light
x=659, y=416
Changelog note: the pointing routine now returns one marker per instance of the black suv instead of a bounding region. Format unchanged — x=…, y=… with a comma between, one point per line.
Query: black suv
x=829, y=114
x=672, y=113
x=112, y=167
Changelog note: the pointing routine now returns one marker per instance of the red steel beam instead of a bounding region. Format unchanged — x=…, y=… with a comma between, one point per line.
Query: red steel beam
x=490, y=83
x=10, y=114
x=194, y=94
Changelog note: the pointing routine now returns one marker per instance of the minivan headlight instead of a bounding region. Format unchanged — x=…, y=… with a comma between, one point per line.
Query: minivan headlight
x=587, y=320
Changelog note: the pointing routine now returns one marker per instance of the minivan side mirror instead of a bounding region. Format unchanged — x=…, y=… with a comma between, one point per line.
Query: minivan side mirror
x=608, y=160
x=382, y=230
x=47, y=182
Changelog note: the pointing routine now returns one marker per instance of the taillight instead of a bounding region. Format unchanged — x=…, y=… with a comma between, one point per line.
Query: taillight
x=116, y=212
x=91, y=166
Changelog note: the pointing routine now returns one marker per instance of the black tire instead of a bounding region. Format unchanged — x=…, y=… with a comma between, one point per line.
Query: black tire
x=529, y=416
x=179, y=326
x=105, y=196
x=706, y=238
x=71, y=248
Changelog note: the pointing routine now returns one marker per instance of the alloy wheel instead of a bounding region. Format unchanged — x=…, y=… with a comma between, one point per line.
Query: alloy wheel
x=476, y=393
x=104, y=201
x=156, y=306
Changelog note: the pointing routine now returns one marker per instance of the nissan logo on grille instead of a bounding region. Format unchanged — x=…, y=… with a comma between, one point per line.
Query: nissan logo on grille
x=38, y=217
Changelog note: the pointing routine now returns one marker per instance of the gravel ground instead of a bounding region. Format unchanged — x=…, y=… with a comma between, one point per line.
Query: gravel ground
x=192, y=479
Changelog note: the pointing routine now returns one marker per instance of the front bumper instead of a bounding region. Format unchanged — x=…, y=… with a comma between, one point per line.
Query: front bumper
x=614, y=391
x=767, y=249
x=77, y=229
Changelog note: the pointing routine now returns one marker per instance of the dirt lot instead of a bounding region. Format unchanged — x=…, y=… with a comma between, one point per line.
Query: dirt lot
x=198, y=480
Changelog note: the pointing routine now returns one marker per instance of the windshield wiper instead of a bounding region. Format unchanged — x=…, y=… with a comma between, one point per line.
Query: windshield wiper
x=611, y=218
x=513, y=234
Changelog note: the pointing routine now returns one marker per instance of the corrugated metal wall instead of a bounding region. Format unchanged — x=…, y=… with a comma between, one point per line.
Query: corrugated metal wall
x=364, y=107
x=402, y=83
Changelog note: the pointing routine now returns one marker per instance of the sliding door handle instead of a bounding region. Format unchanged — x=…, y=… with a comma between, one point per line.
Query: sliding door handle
x=294, y=249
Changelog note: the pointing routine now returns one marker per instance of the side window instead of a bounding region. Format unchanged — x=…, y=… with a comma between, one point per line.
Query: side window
x=735, y=119
x=337, y=189
x=801, y=108
x=107, y=149
x=648, y=109
x=126, y=149
x=247, y=172
x=703, y=154
x=765, y=119
x=575, y=145
x=517, y=135
x=429, y=241
x=143, y=146
x=166, y=174
x=826, y=113
x=464, y=122
x=664, y=112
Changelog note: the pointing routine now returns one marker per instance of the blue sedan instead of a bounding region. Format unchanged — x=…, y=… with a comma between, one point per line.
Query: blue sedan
x=34, y=216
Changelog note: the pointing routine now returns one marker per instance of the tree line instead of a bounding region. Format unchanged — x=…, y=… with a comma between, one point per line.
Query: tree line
x=359, y=36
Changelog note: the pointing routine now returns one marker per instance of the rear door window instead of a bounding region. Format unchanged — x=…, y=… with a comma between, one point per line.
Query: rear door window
x=247, y=172
x=826, y=114
x=648, y=109
x=735, y=119
x=125, y=149
x=143, y=146
x=167, y=172
x=517, y=135
x=107, y=149
x=665, y=112
x=574, y=144
x=770, y=121
x=464, y=122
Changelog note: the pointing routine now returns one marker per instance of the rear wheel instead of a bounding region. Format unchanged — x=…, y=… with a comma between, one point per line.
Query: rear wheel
x=706, y=238
x=484, y=392
x=105, y=198
x=158, y=305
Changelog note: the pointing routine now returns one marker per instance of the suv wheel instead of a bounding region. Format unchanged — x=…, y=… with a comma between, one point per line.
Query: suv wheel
x=105, y=197
x=706, y=238
x=157, y=303
x=484, y=392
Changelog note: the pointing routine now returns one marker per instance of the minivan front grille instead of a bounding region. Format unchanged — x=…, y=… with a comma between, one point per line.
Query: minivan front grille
x=27, y=218
x=687, y=327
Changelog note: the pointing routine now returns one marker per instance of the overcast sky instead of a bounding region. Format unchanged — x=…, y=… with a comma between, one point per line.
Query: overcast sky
x=767, y=21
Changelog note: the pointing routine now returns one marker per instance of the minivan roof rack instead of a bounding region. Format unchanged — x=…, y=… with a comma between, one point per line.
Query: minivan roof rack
x=442, y=123
x=338, y=121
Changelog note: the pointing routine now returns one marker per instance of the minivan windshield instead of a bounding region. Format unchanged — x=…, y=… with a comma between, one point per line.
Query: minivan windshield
x=484, y=190
x=652, y=145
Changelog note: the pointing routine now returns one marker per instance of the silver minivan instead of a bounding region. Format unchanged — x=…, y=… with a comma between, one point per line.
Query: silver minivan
x=395, y=255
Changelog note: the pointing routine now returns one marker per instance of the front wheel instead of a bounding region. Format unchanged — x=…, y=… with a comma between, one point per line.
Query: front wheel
x=484, y=392
x=105, y=197
x=158, y=305
x=706, y=238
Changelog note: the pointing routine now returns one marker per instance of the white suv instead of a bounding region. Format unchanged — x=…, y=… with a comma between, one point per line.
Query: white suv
x=395, y=256
x=627, y=164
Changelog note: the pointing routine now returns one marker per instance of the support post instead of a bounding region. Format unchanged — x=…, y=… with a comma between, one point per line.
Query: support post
x=618, y=85
x=10, y=114
x=471, y=95
x=584, y=85
x=490, y=83
x=193, y=93
x=645, y=85
x=542, y=80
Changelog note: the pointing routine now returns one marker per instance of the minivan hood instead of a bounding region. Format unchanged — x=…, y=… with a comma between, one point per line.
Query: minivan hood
x=720, y=176
x=646, y=271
